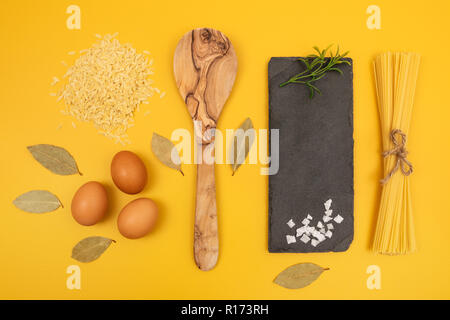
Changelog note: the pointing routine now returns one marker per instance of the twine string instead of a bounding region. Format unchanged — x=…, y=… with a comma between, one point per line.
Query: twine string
x=401, y=153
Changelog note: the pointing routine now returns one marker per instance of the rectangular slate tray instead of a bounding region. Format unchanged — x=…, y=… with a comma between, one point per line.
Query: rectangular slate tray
x=316, y=158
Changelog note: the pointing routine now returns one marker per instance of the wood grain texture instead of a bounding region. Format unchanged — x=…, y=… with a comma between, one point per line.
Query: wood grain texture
x=205, y=66
x=206, y=236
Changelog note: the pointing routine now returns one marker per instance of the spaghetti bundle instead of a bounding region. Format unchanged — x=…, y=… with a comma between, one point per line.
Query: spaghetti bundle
x=395, y=79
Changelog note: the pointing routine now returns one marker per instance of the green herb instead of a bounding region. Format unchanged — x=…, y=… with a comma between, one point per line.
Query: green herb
x=317, y=66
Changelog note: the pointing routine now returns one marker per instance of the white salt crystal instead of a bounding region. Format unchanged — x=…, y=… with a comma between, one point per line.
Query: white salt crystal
x=327, y=218
x=330, y=226
x=328, y=212
x=323, y=230
x=300, y=231
x=310, y=230
x=319, y=236
x=327, y=204
x=314, y=242
x=338, y=219
x=309, y=217
x=305, y=222
x=290, y=239
x=319, y=225
x=290, y=223
x=305, y=238
x=328, y=234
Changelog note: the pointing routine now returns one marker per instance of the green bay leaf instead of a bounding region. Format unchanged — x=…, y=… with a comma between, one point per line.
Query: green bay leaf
x=166, y=152
x=299, y=275
x=55, y=159
x=91, y=248
x=242, y=142
x=37, y=201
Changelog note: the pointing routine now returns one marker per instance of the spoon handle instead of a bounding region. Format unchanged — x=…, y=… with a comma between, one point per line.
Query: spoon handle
x=206, y=239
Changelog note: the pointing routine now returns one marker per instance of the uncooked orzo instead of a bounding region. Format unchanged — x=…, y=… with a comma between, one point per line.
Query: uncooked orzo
x=106, y=84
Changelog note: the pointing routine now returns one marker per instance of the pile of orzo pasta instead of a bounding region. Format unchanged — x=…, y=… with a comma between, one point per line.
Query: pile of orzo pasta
x=105, y=86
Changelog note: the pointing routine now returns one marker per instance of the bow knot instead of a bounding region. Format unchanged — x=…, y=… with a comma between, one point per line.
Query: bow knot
x=401, y=153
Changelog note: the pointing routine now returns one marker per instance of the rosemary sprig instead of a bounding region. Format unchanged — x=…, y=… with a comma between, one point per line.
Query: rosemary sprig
x=317, y=65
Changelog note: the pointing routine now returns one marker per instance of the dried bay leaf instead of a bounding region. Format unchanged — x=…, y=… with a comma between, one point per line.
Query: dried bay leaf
x=241, y=147
x=90, y=249
x=37, y=201
x=299, y=275
x=55, y=159
x=165, y=151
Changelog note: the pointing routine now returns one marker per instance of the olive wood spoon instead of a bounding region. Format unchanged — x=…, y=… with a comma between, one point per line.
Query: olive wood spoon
x=205, y=66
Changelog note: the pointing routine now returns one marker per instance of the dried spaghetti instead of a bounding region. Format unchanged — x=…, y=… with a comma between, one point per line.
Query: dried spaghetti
x=395, y=79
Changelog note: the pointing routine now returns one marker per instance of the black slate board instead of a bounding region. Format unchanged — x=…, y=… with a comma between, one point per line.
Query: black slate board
x=316, y=156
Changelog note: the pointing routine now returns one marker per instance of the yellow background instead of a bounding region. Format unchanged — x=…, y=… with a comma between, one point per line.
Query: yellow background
x=35, y=249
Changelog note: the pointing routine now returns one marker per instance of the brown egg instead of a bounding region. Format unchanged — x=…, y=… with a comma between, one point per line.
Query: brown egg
x=137, y=218
x=128, y=172
x=89, y=204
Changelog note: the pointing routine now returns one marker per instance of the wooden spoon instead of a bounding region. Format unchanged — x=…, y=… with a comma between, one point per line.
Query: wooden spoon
x=205, y=66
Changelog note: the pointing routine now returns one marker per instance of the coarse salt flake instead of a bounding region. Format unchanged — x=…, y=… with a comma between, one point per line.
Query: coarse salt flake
x=309, y=217
x=301, y=231
x=305, y=238
x=319, y=236
x=338, y=219
x=290, y=239
x=319, y=224
x=291, y=223
x=328, y=212
x=328, y=234
x=305, y=222
x=314, y=242
x=327, y=204
x=330, y=226
x=326, y=219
